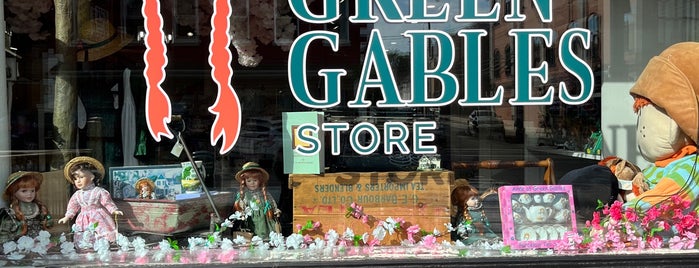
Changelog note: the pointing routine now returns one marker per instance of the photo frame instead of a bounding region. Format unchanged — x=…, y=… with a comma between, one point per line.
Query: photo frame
x=167, y=179
x=536, y=216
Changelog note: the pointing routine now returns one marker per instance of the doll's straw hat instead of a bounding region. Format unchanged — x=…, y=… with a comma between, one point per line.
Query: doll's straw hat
x=671, y=82
x=83, y=160
x=14, y=177
x=99, y=39
x=252, y=166
x=148, y=181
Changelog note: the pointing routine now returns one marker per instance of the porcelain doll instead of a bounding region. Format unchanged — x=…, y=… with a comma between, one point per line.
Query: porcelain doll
x=145, y=188
x=26, y=215
x=92, y=204
x=467, y=209
x=254, y=200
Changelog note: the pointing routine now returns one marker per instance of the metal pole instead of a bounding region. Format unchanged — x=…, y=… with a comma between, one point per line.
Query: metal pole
x=180, y=139
x=5, y=168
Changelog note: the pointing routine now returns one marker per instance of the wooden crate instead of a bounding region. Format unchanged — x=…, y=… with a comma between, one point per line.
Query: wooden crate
x=421, y=198
x=171, y=216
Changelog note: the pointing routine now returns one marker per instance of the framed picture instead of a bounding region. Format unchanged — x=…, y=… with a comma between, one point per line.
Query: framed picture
x=167, y=179
x=536, y=216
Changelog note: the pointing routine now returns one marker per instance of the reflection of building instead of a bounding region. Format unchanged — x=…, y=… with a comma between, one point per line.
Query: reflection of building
x=557, y=124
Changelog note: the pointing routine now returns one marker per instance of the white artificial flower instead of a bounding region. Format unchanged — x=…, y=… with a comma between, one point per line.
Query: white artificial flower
x=139, y=246
x=365, y=237
x=379, y=232
x=62, y=238
x=256, y=240
x=44, y=234
x=123, y=242
x=25, y=243
x=67, y=248
x=101, y=245
x=349, y=234
x=276, y=240
x=436, y=232
x=9, y=247
x=332, y=236
x=450, y=228
x=226, y=244
x=227, y=223
x=240, y=240
x=237, y=216
x=196, y=243
x=294, y=241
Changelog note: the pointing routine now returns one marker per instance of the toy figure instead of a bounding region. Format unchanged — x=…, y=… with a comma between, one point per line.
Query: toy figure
x=26, y=214
x=92, y=204
x=254, y=200
x=145, y=188
x=467, y=210
x=665, y=100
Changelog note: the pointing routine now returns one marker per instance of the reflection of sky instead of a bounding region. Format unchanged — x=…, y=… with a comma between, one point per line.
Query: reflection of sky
x=391, y=32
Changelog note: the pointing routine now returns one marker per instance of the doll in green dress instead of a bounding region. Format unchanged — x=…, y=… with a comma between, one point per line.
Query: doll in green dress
x=26, y=215
x=254, y=201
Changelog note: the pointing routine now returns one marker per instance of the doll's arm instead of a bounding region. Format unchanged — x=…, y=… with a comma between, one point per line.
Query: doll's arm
x=108, y=203
x=73, y=208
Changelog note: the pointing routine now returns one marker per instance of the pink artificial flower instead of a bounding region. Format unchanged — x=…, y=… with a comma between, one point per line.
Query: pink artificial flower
x=676, y=243
x=141, y=260
x=631, y=215
x=307, y=239
x=615, y=211
x=650, y=216
x=316, y=225
x=299, y=227
x=373, y=242
x=596, y=219
x=429, y=241
x=365, y=219
x=655, y=242
x=203, y=256
x=412, y=230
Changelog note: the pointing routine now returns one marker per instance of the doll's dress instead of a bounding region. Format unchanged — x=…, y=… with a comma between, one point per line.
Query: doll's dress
x=11, y=227
x=94, y=205
x=480, y=227
x=259, y=222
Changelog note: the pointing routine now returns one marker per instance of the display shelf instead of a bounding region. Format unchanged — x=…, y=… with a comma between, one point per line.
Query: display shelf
x=563, y=152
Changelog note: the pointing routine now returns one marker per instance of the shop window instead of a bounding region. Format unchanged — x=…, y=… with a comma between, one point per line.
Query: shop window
x=285, y=25
x=508, y=60
x=550, y=51
x=240, y=18
x=341, y=25
x=496, y=63
x=593, y=26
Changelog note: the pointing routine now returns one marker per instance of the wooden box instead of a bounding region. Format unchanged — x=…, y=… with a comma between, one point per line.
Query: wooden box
x=421, y=198
x=171, y=216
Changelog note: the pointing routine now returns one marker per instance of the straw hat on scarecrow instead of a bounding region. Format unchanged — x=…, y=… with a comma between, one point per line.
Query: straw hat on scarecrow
x=97, y=168
x=99, y=39
x=14, y=177
x=250, y=166
x=666, y=100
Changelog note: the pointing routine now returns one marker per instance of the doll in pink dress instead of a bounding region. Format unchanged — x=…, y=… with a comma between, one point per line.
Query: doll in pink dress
x=92, y=204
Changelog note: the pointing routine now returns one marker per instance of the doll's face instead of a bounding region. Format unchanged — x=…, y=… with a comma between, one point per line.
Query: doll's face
x=473, y=201
x=252, y=181
x=83, y=178
x=145, y=188
x=25, y=194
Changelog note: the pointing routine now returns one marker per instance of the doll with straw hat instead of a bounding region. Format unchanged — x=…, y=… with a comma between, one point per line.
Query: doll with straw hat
x=26, y=214
x=253, y=200
x=93, y=205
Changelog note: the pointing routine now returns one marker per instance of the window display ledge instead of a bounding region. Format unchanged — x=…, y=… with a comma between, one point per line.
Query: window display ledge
x=563, y=152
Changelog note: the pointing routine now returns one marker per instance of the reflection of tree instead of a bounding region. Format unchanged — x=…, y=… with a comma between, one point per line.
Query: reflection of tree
x=65, y=94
